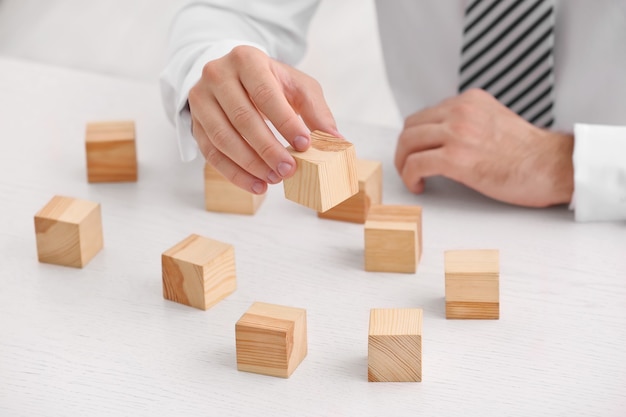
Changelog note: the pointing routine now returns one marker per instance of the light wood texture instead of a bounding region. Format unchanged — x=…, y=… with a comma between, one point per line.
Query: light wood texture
x=271, y=339
x=326, y=173
x=472, y=284
x=198, y=272
x=394, y=347
x=111, y=151
x=68, y=231
x=355, y=208
x=101, y=341
x=222, y=196
x=393, y=238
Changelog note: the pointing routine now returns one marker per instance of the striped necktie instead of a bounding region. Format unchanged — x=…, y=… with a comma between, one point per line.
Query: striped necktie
x=507, y=51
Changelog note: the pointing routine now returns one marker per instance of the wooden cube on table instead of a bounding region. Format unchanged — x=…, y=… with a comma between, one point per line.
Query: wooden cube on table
x=326, y=173
x=393, y=238
x=111, y=152
x=220, y=195
x=472, y=284
x=271, y=339
x=198, y=272
x=68, y=231
x=355, y=208
x=394, y=352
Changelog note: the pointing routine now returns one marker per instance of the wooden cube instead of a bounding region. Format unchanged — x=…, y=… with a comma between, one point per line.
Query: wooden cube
x=355, y=208
x=271, y=339
x=472, y=284
x=393, y=238
x=394, y=348
x=111, y=152
x=326, y=173
x=68, y=231
x=223, y=196
x=198, y=272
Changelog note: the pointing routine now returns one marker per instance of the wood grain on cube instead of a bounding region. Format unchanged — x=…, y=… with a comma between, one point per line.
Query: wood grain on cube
x=222, y=196
x=271, y=339
x=326, y=173
x=355, y=208
x=68, y=231
x=111, y=152
x=393, y=238
x=395, y=345
x=472, y=284
x=198, y=272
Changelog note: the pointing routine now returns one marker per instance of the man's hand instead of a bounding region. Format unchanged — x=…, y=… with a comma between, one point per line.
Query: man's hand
x=228, y=109
x=475, y=140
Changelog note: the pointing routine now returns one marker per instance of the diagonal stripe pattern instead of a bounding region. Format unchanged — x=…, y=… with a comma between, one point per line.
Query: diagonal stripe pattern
x=508, y=51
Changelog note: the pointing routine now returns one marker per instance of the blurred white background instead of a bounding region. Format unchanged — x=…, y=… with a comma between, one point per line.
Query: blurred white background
x=127, y=38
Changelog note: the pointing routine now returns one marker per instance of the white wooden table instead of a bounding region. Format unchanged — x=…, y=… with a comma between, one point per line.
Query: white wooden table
x=102, y=341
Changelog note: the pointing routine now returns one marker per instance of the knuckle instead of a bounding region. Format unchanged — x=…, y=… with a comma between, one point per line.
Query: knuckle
x=463, y=109
x=405, y=136
x=256, y=167
x=220, y=138
x=236, y=177
x=263, y=93
x=463, y=120
x=211, y=71
x=266, y=151
x=304, y=91
x=242, y=54
x=240, y=178
x=194, y=96
x=475, y=94
x=242, y=115
x=249, y=165
x=286, y=121
x=212, y=156
x=312, y=84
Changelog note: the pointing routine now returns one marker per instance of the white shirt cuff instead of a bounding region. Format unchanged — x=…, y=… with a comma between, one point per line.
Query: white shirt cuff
x=599, y=172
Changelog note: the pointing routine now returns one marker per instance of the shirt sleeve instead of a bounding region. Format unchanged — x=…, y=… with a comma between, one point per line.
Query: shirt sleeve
x=203, y=31
x=599, y=172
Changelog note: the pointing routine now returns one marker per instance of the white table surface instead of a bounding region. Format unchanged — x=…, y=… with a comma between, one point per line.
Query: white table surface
x=102, y=341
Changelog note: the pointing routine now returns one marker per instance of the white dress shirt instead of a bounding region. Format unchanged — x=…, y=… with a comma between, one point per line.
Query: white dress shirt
x=421, y=42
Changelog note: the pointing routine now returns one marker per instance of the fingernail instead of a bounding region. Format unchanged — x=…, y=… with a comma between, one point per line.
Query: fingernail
x=258, y=187
x=273, y=178
x=300, y=142
x=284, y=168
